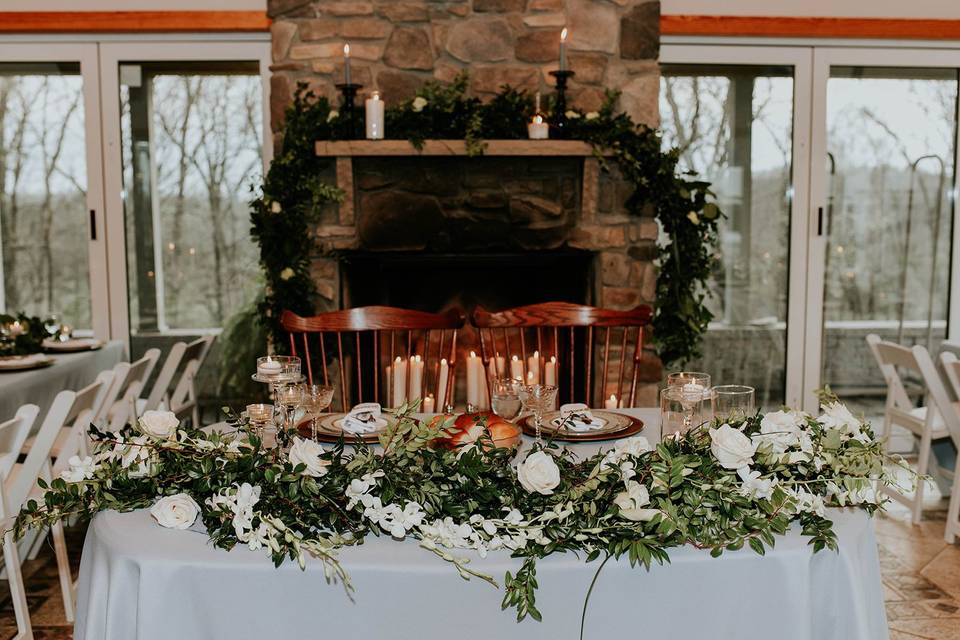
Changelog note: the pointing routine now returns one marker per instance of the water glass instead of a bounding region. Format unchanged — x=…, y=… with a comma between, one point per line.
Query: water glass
x=733, y=401
x=537, y=398
x=680, y=412
x=316, y=400
x=505, y=397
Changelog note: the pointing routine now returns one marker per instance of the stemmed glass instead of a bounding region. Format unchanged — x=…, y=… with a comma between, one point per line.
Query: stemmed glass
x=538, y=398
x=693, y=388
x=505, y=398
x=316, y=399
x=289, y=398
x=259, y=415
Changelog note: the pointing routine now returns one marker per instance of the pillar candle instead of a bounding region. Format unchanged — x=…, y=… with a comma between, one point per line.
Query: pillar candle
x=399, y=381
x=416, y=378
x=530, y=378
x=550, y=372
x=501, y=365
x=611, y=402
x=374, y=119
x=516, y=368
x=474, y=378
x=428, y=404
x=533, y=366
x=346, y=64
x=537, y=129
x=442, y=377
x=563, y=49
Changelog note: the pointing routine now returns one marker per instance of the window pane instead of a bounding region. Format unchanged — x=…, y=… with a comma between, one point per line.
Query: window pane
x=43, y=183
x=890, y=138
x=733, y=126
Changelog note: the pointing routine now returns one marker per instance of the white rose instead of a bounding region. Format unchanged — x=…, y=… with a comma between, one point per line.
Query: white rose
x=631, y=501
x=538, y=473
x=419, y=103
x=731, y=447
x=308, y=452
x=159, y=424
x=175, y=512
x=781, y=429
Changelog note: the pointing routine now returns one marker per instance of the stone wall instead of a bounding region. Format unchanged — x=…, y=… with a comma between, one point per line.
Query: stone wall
x=397, y=45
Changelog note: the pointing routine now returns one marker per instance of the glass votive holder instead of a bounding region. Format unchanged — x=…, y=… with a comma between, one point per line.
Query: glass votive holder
x=680, y=412
x=279, y=368
x=733, y=402
x=681, y=378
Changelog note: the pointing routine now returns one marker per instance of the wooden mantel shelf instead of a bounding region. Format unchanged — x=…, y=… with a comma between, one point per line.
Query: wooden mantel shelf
x=345, y=148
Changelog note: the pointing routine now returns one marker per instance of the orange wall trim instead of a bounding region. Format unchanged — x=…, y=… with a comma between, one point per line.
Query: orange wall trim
x=131, y=21
x=892, y=28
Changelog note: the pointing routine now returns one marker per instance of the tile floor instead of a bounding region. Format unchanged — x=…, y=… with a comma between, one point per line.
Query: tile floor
x=921, y=580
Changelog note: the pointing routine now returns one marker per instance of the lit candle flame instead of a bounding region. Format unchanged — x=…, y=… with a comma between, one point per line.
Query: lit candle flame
x=346, y=48
x=563, y=35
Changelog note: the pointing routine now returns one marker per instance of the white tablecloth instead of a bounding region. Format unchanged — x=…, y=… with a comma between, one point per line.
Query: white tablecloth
x=70, y=371
x=140, y=581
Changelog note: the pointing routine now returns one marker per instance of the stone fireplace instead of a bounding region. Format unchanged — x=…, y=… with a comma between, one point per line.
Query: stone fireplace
x=430, y=232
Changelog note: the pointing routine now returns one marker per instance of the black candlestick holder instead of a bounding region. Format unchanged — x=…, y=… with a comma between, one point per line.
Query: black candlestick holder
x=348, y=108
x=560, y=103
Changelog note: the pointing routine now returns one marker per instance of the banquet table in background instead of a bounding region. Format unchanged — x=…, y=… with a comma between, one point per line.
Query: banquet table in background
x=140, y=581
x=70, y=371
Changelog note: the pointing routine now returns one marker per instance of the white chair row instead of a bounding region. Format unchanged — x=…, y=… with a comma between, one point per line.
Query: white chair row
x=113, y=400
x=938, y=418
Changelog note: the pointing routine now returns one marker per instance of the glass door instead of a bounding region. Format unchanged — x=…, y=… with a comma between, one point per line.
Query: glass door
x=52, y=248
x=883, y=161
x=735, y=123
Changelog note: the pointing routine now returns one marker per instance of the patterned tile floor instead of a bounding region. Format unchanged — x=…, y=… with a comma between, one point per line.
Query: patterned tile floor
x=921, y=580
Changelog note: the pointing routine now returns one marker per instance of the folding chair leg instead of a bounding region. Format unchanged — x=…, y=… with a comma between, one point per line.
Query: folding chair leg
x=953, y=511
x=18, y=593
x=63, y=568
x=923, y=462
x=195, y=416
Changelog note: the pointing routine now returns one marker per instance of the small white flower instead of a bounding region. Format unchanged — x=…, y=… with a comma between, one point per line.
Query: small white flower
x=780, y=429
x=731, y=447
x=837, y=416
x=79, y=470
x=632, y=500
x=634, y=446
x=571, y=115
x=308, y=452
x=591, y=115
x=333, y=115
x=275, y=207
x=286, y=274
x=159, y=424
x=538, y=473
x=693, y=217
x=175, y=512
x=754, y=486
x=419, y=103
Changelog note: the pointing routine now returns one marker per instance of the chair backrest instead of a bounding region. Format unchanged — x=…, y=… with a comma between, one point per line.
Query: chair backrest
x=13, y=433
x=369, y=335
x=889, y=355
x=951, y=347
x=161, y=386
x=68, y=408
x=130, y=389
x=951, y=371
x=184, y=395
x=575, y=335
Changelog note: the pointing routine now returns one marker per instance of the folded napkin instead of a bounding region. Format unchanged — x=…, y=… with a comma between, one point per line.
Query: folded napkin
x=363, y=418
x=577, y=417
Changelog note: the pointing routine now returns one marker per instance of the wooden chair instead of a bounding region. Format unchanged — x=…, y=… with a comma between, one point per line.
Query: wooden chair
x=13, y=433
x=552, y=329
x=935, y=420
x=368, y=335
x=183, y=363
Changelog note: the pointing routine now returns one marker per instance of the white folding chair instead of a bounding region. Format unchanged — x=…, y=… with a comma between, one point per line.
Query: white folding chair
x=124, y=409
x=75, y=408
x=13, y=433
x=184, y=360
x=951, y=369
x=926, y=422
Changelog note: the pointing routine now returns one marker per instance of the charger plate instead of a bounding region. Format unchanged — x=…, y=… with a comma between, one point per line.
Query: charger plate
x=22, y=363
x=330, y=429
x=617, y=425
x=72, y=345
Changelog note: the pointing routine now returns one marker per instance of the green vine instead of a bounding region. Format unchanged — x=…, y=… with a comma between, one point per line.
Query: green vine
x=294, y=195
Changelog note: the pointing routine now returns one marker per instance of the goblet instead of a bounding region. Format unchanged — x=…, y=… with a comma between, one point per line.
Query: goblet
x=289, y=398
x=695, y=388
x=537, y=398
x=505, y=398
x=733, y=401
x=678, y=414
x=259, y=415
x=316, y=399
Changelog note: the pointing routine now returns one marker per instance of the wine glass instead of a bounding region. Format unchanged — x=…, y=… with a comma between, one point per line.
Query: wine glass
x=694, y=388
x=679, y=413
x=52, y=325
x=537, y=398
x=505, y=398
x=316, y=399
x=289, y=397
x=733, y=401
x=259, y=415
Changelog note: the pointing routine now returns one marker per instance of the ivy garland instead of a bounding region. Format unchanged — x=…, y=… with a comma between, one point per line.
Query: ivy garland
x=293, y=196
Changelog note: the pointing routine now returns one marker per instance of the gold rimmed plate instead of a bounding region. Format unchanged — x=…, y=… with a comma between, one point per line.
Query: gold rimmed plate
x=615, y=425
x=73, y=345
x=330, y=429
x=23, y=363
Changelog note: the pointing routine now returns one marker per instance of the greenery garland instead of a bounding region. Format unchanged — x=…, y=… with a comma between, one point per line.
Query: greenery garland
x=28, y=340
x=293, y=196
x=722, y=488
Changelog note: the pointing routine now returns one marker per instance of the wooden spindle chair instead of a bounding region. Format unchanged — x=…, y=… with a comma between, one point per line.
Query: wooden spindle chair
x=374, y=336
x=571, y=333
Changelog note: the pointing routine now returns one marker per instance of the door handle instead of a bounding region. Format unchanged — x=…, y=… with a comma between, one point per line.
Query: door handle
x=93, y=224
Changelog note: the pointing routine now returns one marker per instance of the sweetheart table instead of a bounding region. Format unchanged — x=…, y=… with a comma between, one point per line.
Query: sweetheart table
x=141, y=581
